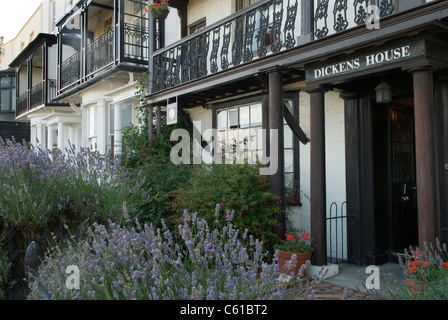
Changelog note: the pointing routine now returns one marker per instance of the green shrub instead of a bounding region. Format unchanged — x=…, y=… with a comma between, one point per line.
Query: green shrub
x=235, y=187
x=162, y=177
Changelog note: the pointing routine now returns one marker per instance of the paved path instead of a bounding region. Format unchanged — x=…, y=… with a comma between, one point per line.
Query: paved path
x=349, y=283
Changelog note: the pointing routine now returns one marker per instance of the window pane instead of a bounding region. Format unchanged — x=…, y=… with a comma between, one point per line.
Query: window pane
x=255, y=115
x=5, y=82
x=222, y=120
x=287, y=132
x=244, y=117
x=5, y=100
x=289, y=180
x=233, y=118
x=92, y=112
x=289, y=161
x=243, y=139
x=232, y=137
x=221, y=141
x=126, y=115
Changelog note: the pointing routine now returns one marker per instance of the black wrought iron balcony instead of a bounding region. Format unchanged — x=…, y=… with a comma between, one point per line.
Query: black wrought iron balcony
x=36, y=95
x=40, y=94
x=100, y=52
x=22, y=104
x=136, y=42
x=258, y=31
x=261, y=30
x=70, y=70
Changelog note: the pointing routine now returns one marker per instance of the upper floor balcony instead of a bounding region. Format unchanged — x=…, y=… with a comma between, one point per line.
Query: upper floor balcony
x=262, y=32
x=36, y=75
x=99, y=36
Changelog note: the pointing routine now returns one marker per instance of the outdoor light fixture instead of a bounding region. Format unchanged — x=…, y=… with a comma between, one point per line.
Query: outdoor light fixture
x=383, y=93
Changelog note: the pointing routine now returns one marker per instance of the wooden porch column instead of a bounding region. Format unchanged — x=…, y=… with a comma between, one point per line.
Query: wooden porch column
x=425, y=154
x=317, y=177
x=276, y=123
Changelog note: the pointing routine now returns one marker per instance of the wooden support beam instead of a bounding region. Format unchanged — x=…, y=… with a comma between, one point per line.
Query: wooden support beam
x=426, y=164
x=318, y=177
x=294, y=125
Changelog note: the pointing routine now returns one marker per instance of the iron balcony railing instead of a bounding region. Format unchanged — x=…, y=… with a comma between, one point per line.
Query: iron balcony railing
x=70, y=70
x=100, y=52
x=36, y=96
x=22, y=103
x=254, y=33
x=136, y=39
x=261, y=30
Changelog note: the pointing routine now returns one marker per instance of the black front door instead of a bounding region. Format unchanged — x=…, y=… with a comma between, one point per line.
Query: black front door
x=403, y=193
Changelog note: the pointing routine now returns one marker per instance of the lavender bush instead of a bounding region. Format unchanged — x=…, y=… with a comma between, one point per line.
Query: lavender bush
x=141, y=262
x=40, y=186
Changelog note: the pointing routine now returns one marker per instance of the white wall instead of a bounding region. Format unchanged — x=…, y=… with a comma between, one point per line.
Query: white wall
x=334, y=156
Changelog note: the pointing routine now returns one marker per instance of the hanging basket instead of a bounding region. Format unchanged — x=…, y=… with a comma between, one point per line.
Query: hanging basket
x=160, y=16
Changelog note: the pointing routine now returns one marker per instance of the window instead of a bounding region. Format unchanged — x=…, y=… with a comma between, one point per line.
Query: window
x=92, y=130
x=126, y=120
x=197, y=26
x=238, y=131
x=7, y=94
x=241, y=4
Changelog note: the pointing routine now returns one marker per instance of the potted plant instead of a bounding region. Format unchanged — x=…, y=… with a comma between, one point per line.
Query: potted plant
x=159, y=9
x=298, y=244
x=424, y=267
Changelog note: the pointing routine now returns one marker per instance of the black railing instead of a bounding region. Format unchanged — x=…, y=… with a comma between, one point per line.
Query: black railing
x=51, y=90
x=100, y=52
x=254, y=33
x=36, y=95
x=70, y=70
x=136, y=42
x=264, y=29
x=22, y=103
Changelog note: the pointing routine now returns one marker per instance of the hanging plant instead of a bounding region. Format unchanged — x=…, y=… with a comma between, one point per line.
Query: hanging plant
x=159, y=9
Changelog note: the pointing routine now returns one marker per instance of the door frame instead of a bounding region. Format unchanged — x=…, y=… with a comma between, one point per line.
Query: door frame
x=369, y=239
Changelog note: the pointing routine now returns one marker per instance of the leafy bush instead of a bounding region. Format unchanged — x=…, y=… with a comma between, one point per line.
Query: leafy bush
x=141, y=262
x=237, y=187
x=162, y=177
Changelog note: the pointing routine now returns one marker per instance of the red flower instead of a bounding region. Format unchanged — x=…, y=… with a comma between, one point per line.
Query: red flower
x=289, y=236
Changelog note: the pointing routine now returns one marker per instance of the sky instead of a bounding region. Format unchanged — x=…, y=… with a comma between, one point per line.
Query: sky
x=14, y=14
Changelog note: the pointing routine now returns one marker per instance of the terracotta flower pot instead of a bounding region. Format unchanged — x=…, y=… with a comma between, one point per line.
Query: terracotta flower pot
x=285, y=256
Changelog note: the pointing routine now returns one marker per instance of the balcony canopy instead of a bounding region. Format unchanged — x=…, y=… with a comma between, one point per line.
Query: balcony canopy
x=40, y=39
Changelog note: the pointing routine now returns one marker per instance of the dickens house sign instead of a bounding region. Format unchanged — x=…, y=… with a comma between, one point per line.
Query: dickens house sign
x=368, y=61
